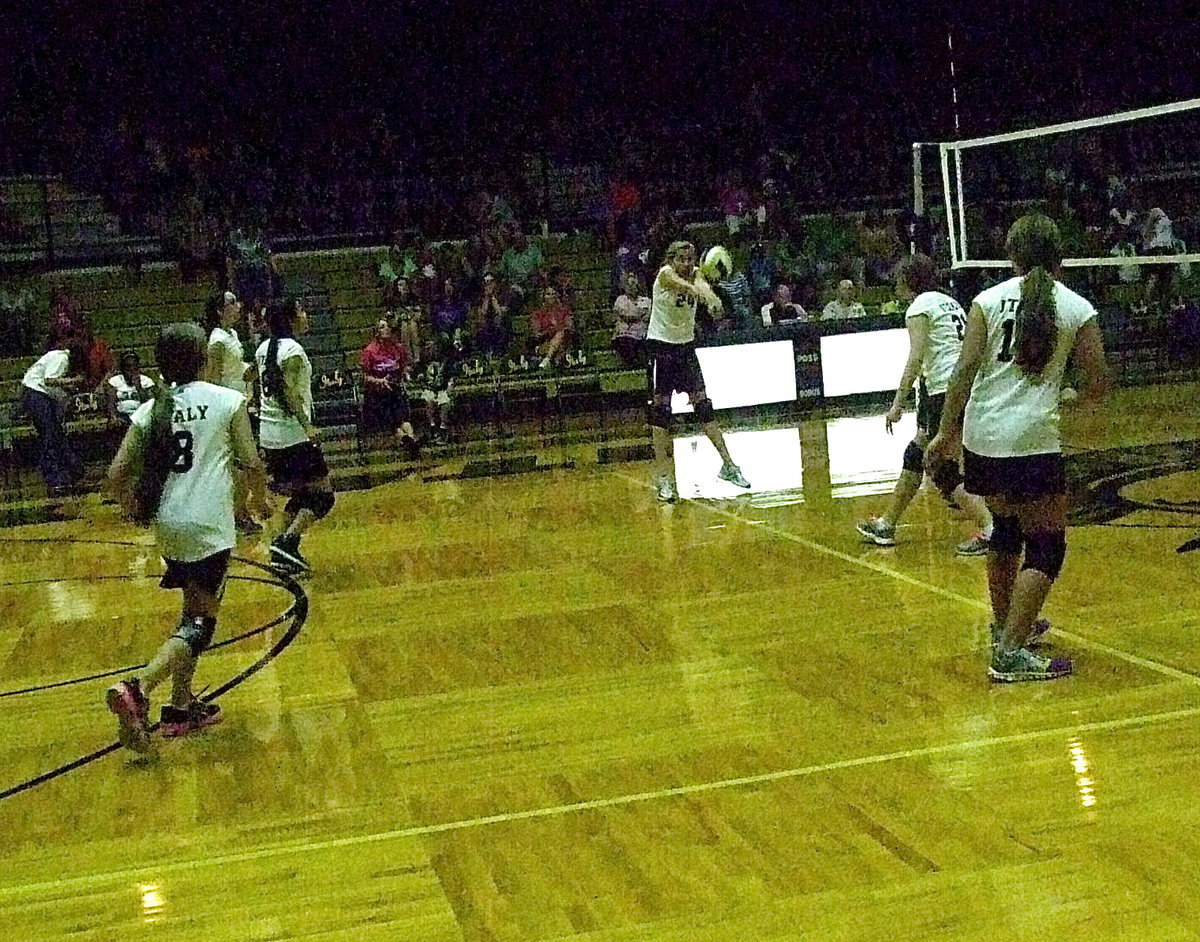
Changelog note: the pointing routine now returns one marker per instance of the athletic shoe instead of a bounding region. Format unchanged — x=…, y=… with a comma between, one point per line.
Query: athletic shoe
x=976, y=546
x=1036, y=634
x=197, y=715
x=878, y=532
x=733, y=474
x=285, y=554
x=132, y=710
x=1023, y=664
x=664, y=490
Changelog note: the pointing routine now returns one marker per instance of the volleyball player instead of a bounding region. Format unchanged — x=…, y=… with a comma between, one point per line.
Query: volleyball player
x=287, y=434
x=1002, y=410
x=673, y=366
x=225, y=367
x=935, y=324
x=174, y=467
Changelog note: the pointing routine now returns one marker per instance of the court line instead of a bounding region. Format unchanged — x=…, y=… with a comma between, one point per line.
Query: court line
x=157, y=870
x=1146, y=663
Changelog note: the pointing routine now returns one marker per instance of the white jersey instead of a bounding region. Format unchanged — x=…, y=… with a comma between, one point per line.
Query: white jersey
x=195, y=515
x=1010, y=414
x=947, y=322
x=225, y=352
x=672, y=313
x=52, y=365
x=278, y=428
x=128, y=397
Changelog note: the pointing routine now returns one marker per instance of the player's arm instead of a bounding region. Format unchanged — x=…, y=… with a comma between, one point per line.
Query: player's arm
x=293, y=390
x=1088, y=356
x=948, y=441
x=669, y=279
x=119, y=481
x=245, y=456
x=918, y=344
x=212, y=363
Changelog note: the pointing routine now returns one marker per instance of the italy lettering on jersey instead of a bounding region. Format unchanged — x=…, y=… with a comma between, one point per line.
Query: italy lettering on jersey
x=1011, y=414
x=278, y=428
x=195, y=515
x=672, y=313
x=947, y=323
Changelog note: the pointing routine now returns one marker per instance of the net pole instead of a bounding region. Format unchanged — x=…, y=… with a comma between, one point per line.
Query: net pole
x=918, y=183
x=962, y=205
x=949, y=205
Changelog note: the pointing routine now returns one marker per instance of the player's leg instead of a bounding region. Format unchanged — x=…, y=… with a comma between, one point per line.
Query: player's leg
x=707, y=418
x=312, y=499
x=882, y=530
x=661, y=369
x=202, y=592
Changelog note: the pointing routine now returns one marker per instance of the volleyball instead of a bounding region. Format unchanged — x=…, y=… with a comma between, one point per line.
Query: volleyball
x=717, y=264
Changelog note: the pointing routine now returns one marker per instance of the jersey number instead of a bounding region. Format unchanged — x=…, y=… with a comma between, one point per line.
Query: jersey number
x=682, y=300
x=960, y=325
x=1005, y=354
x=183, y=453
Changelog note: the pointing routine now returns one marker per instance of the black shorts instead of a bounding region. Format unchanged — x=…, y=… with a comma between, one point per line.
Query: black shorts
x=672, y=367
x=207, y=574
x=1024, y=478
x=929, y=410
x=295, y=465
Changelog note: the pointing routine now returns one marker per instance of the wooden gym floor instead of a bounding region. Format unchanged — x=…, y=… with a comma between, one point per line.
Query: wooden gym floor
x=541, y=706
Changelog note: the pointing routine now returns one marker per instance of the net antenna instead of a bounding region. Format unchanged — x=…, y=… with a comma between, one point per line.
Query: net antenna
x=1015, y=147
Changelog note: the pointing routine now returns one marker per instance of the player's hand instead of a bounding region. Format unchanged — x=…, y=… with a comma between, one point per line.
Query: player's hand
x=894, y=415
x=943, y=448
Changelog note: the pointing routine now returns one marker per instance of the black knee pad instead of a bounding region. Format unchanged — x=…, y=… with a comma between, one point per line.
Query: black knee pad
x=1006, y=536
x=914, y=458
x=319, y=502
x=659, y=415
x=704, y=411
x=1045, y=553
x=196, y=632
x=292, y=507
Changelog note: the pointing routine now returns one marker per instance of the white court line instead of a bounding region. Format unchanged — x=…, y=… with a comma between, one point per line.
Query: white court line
x=1165, y=669
x=136, y=874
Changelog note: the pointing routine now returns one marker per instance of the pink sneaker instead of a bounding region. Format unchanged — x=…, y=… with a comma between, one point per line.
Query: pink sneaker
x=132, y=710
x=183, y=721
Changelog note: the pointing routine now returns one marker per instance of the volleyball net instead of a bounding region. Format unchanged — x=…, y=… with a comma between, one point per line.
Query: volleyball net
x=1101, y=179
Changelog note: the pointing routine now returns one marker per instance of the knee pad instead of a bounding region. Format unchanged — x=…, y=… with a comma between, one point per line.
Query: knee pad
x=704, y=411
x=1006, y=536
x=659, y=415
x=320, y=503
x=1045, y=553
x=197, y=633
x=292, y=507
x=914, y=458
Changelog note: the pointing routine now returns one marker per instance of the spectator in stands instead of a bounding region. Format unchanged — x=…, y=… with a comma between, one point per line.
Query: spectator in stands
x=127, y=389
x=738, y=300
x=630, y=257
x=631, y=312
x=449, y=318
x=520, y=265
x=46, y=390
x=490, y=328
x=250, y=267
x=551, y=326
x=1158, y=238
x=385, y=364
x=410, y=320
x=436, y=389
x=734, y=199
x=16, y=322
x=844, y=305
x=760, y=272
x=781, y=308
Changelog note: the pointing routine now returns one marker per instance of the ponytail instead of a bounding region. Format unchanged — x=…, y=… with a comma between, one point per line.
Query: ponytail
x=1037, y=324
x=280, y=315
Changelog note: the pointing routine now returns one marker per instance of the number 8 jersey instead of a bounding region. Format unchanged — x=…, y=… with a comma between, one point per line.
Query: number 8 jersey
x=1011, y=414
x=947, y=320
x=195, y=515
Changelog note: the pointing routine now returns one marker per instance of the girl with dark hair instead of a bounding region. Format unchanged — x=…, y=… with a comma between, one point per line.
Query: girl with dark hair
x=46, y=390
x=1002, y=409
x=127, y=389
x=174, y=469
x=935, y=324
x=286, y=431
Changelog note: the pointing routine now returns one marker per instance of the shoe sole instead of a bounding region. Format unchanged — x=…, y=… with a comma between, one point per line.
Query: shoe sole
x=171, y=731
x=877, y=540
x=131, y=734
x=287, y=558
x=971, y=554
x=1016, y=677
x=742, y=483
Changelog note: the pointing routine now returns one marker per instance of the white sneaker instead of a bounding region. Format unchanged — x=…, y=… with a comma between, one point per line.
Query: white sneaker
x=733, y=474
x=664, y=490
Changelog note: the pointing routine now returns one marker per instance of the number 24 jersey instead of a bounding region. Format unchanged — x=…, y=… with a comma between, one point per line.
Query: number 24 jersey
x=1011, y=414
x=195, y=516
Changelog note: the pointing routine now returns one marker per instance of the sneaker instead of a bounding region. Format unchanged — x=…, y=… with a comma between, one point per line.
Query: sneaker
x=182, y=721
x=285, y=554
x=1023, y=664
x=877, y=531
x=132, y=710
x=664, y=490
x=976, y=546
x=733, y=474
x=1036, y=634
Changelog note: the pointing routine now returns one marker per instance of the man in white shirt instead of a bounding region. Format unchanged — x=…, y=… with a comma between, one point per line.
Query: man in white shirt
x=845, y=304
x=46, y=390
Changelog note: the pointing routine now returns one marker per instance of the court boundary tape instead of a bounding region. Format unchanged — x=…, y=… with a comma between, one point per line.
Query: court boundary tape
x=157, y=870
x=1136, y=659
